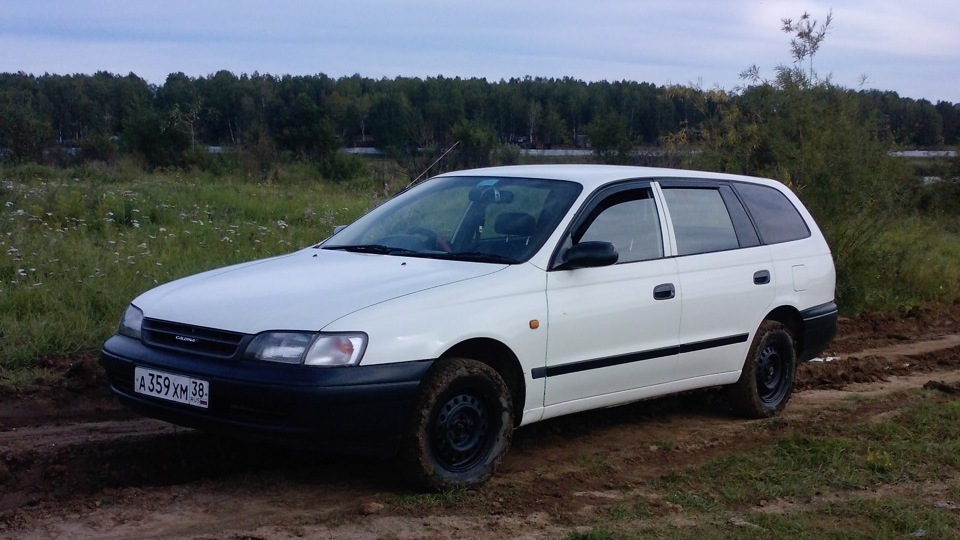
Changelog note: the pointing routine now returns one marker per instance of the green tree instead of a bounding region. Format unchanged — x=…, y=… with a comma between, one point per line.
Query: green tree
x=814, y=137
x=24, y=130
x=806, y=38
x=609, y=138
x=552, y=129
x=393, y=122
x=477, y=142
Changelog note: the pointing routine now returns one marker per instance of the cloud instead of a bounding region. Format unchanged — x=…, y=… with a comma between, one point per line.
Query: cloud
x=660, y=42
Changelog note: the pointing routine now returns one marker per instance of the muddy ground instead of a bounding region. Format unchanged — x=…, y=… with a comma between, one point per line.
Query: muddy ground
x=74, y=464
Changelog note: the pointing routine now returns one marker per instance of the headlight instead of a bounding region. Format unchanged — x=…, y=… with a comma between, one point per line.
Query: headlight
x=131, y=322
x=336, y=350
x=308, y=348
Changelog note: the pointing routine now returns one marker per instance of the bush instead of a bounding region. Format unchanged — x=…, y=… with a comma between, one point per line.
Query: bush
x=339, y=167
x=812, y=136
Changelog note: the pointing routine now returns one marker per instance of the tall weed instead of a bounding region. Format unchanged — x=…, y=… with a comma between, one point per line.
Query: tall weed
x=911, y=262
x=813, y=137
x=74, y=251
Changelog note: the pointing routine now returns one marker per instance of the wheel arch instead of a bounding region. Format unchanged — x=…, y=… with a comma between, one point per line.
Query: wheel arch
x=789, y=317
x=499, y=357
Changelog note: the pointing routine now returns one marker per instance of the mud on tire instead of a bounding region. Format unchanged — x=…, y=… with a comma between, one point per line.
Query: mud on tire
x=768, y=375
x=460, y=426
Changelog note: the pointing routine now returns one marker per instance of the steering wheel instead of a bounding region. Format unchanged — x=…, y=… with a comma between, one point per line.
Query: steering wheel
x=432, y=237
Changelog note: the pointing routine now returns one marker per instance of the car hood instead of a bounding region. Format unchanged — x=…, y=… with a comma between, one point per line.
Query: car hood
x=305, y=290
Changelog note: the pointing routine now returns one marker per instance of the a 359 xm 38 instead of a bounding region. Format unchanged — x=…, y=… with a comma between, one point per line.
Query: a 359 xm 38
x=484, y=300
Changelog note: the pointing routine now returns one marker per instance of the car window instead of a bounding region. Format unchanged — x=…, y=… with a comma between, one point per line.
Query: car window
x=502, y=220
x=630, y=222
x=466, y=218
x=442, y=215
x=775, y=216
x=700, y=220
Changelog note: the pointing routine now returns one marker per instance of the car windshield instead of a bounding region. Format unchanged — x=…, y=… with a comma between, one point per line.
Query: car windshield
x=499, y=220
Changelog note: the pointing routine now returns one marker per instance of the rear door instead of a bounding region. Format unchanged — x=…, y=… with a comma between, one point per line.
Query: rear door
x=726, y=275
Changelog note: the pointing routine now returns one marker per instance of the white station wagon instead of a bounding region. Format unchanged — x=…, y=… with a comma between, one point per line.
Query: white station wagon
x=488, y=299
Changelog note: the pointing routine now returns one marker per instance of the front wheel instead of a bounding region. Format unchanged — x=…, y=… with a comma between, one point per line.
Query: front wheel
x=768, y=374
x=460, y=427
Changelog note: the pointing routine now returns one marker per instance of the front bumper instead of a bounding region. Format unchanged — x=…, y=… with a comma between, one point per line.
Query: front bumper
x=356, y=408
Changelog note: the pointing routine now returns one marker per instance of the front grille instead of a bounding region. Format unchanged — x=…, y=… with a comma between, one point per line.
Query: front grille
x=194, y=339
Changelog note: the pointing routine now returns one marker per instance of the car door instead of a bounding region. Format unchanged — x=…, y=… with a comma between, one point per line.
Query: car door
x=612, y=328
x=726, y=275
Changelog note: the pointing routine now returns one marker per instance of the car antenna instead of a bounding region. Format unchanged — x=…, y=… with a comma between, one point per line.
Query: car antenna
x=425, y=171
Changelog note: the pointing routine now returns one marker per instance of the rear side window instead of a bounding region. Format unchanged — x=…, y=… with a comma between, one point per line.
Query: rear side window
x=776, y=218
x=700, y=220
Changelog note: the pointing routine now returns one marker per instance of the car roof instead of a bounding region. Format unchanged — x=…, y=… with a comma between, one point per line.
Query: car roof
x=592, y=176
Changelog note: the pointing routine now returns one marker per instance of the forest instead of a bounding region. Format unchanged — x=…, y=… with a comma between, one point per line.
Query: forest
x=268, y=119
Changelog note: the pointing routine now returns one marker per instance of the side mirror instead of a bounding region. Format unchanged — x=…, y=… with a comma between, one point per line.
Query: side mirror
x=339, y=228
x=589, y=255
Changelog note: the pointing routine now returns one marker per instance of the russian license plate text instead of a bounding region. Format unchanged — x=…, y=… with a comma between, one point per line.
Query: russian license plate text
x=178, y=388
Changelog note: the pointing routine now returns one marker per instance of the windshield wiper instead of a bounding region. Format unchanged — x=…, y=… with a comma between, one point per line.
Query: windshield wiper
x=372, y=248
x=476, y=256
x=472, y=256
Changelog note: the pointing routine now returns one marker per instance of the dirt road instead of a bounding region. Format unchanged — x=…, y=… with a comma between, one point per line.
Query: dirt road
x=73, y=464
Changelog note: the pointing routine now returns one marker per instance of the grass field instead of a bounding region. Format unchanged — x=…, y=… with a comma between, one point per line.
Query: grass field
x=76, y=245
x=74, y=251
x=864, y=468
x=889, y=475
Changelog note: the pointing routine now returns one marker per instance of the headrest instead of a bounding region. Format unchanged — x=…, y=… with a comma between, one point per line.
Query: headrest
x=515, y=224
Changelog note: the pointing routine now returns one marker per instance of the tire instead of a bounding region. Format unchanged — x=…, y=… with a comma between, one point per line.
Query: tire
x=768, y=375
x=460, y=426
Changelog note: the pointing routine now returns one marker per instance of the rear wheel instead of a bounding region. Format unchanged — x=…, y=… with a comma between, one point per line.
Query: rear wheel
x=768, y=374
x=460, y=427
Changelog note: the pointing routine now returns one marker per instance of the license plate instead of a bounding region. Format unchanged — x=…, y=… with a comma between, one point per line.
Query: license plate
x=178, y=388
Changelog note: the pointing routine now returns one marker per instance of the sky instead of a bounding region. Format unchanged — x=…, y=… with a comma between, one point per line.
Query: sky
x=912, y=48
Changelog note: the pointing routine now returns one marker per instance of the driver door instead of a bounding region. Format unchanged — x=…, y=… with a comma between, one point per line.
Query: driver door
x=613, y=328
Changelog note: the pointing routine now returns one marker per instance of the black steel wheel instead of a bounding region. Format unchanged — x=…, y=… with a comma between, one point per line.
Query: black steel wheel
x=460, y=427
x=768, y=374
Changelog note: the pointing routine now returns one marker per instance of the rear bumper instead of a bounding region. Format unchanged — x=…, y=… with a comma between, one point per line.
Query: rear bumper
x=819, y=327
x=356, y=408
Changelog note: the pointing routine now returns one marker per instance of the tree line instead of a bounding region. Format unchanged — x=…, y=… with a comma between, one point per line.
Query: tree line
x=70, y=118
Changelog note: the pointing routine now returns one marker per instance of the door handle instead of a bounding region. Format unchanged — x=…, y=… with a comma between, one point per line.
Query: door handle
x=665, y=291
x=761, y=277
